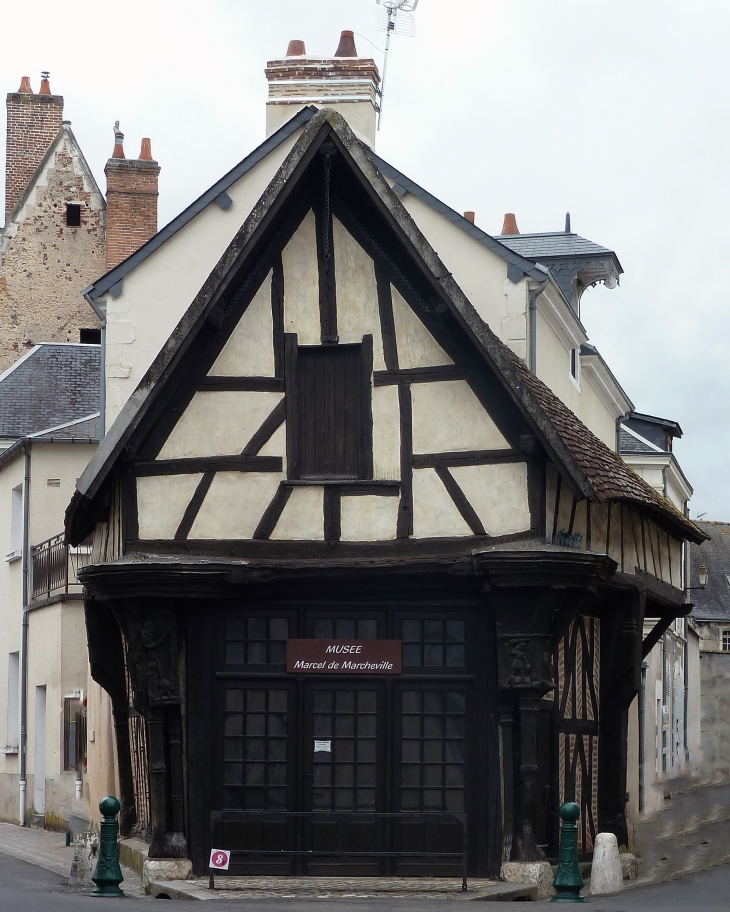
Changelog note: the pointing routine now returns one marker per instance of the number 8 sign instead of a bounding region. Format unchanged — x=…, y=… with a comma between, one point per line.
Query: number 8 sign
x=219, y=859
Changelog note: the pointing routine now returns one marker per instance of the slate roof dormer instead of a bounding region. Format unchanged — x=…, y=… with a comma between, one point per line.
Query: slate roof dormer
x=589, y=467
x=575, y=262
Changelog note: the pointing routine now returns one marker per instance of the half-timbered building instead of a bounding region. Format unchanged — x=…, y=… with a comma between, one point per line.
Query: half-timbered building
x=374, y=588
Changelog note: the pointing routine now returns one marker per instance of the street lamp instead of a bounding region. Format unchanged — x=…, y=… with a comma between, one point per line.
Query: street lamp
x=702, y=576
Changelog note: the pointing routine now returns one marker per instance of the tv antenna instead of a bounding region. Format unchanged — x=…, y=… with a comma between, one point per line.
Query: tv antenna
x=394, y=17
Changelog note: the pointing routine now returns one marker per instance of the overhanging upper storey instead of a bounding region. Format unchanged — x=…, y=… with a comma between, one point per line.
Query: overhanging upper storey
x=574, y=262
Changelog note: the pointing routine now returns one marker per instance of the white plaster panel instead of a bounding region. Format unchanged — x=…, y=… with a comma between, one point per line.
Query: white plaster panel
x=161, y=503
x=369, y=518
x=303, y=516
x=249, y=351
x=218, y=423
x=434, y=512
x=386, y=433
x=357, y=293
x=158, y=291
x=416, y=346
x=447, y=416
x=498, y=494
x=276, y=444
x=235, y=504
x=301, y=283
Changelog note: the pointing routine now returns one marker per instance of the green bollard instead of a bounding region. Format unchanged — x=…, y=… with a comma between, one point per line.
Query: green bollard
x=568, y=880
x=107, y=874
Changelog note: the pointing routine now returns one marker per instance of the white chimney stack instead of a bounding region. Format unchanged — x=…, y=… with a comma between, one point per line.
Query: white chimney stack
x=345, y=82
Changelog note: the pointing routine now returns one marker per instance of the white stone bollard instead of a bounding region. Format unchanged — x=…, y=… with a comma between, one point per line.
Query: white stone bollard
x=606, y=873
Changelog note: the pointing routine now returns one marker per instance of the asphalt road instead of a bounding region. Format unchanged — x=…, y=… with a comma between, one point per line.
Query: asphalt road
x=26, y=888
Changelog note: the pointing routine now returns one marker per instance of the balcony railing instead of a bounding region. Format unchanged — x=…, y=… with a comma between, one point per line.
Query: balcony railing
x=54, y=566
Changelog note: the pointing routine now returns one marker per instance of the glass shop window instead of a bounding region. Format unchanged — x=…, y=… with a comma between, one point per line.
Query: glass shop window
x=434, y=643
x=345, y=629
x=256, y=640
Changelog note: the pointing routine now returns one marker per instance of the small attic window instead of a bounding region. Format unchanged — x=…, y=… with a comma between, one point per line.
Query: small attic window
x=90, y=336
x=73, y=215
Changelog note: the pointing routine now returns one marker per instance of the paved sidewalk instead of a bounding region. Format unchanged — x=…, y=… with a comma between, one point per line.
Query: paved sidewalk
x=228, y=889
x=48, y=850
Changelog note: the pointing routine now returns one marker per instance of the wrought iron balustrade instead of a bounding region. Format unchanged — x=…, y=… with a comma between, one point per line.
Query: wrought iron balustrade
x=54, y=566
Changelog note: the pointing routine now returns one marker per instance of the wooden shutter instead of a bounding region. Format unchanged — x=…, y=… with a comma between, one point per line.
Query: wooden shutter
x=331, y=412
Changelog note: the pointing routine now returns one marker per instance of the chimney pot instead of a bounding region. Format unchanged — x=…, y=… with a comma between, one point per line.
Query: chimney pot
x=25, y=88
x=45, y=84
x=346, y=47
x=296, y=48
x=145, y=152
x=510, y=224
x=118, y=142
x=470, y=216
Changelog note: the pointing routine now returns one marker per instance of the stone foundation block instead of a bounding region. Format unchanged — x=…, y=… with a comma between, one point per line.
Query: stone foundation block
x=166, y=869
x=629, y=866
x=539, y=873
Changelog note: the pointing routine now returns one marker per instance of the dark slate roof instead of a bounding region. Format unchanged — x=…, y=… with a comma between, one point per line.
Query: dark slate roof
x=552, y=244
x=629, y=445
x=52, y=385
x=85, y=430
x=595, y=470
x=713, y=602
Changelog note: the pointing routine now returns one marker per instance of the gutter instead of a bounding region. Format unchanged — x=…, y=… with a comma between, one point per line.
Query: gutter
x=642, y=735
x=532, y=324
x=24, y=637
x=102, y=358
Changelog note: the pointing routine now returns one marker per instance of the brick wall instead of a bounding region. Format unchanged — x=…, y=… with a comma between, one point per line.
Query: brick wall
x=131, y=206
x=33, y=122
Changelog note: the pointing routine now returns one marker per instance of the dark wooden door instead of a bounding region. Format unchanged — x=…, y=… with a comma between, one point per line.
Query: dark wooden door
x=430, y=775
x=254, y=771
x=343, y=758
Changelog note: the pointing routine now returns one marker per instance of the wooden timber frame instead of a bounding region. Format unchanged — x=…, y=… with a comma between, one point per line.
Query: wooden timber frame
x=533, y=622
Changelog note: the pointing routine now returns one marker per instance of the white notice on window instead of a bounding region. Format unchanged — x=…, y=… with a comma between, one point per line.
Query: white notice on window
x=325, y=746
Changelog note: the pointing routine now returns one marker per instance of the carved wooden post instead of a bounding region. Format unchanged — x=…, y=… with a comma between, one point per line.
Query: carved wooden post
x=621, y=631
x=525, y=675
x=154, y=658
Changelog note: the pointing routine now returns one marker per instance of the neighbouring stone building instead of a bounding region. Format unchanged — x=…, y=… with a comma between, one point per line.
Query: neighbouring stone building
x=712, y=616
x=60, y=232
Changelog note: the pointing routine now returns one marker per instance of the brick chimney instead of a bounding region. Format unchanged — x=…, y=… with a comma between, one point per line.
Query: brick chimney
x=33, y=122
x=344, y=81
x=131, y=200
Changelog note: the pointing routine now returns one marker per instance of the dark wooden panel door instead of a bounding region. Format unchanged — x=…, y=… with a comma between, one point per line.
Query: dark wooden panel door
x=254, y=766
x=430, y=774
x=343, y=758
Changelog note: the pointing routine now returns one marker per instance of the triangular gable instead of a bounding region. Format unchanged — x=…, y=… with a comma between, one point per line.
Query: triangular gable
x=64, y=133
x=372, y=214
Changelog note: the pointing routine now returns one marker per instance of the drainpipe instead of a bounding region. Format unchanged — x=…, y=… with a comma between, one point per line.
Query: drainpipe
x=102, y=355
x=24, y=636
x=686, y=647
x=642, y=735
x=532, y=324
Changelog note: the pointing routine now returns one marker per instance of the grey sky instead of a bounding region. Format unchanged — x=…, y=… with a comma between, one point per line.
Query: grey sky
x=616, y=111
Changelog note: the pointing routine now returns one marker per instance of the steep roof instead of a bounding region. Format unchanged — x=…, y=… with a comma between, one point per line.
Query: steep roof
x=713, y=602
x=592, y=469
x=552, y=244
x=53, y=384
